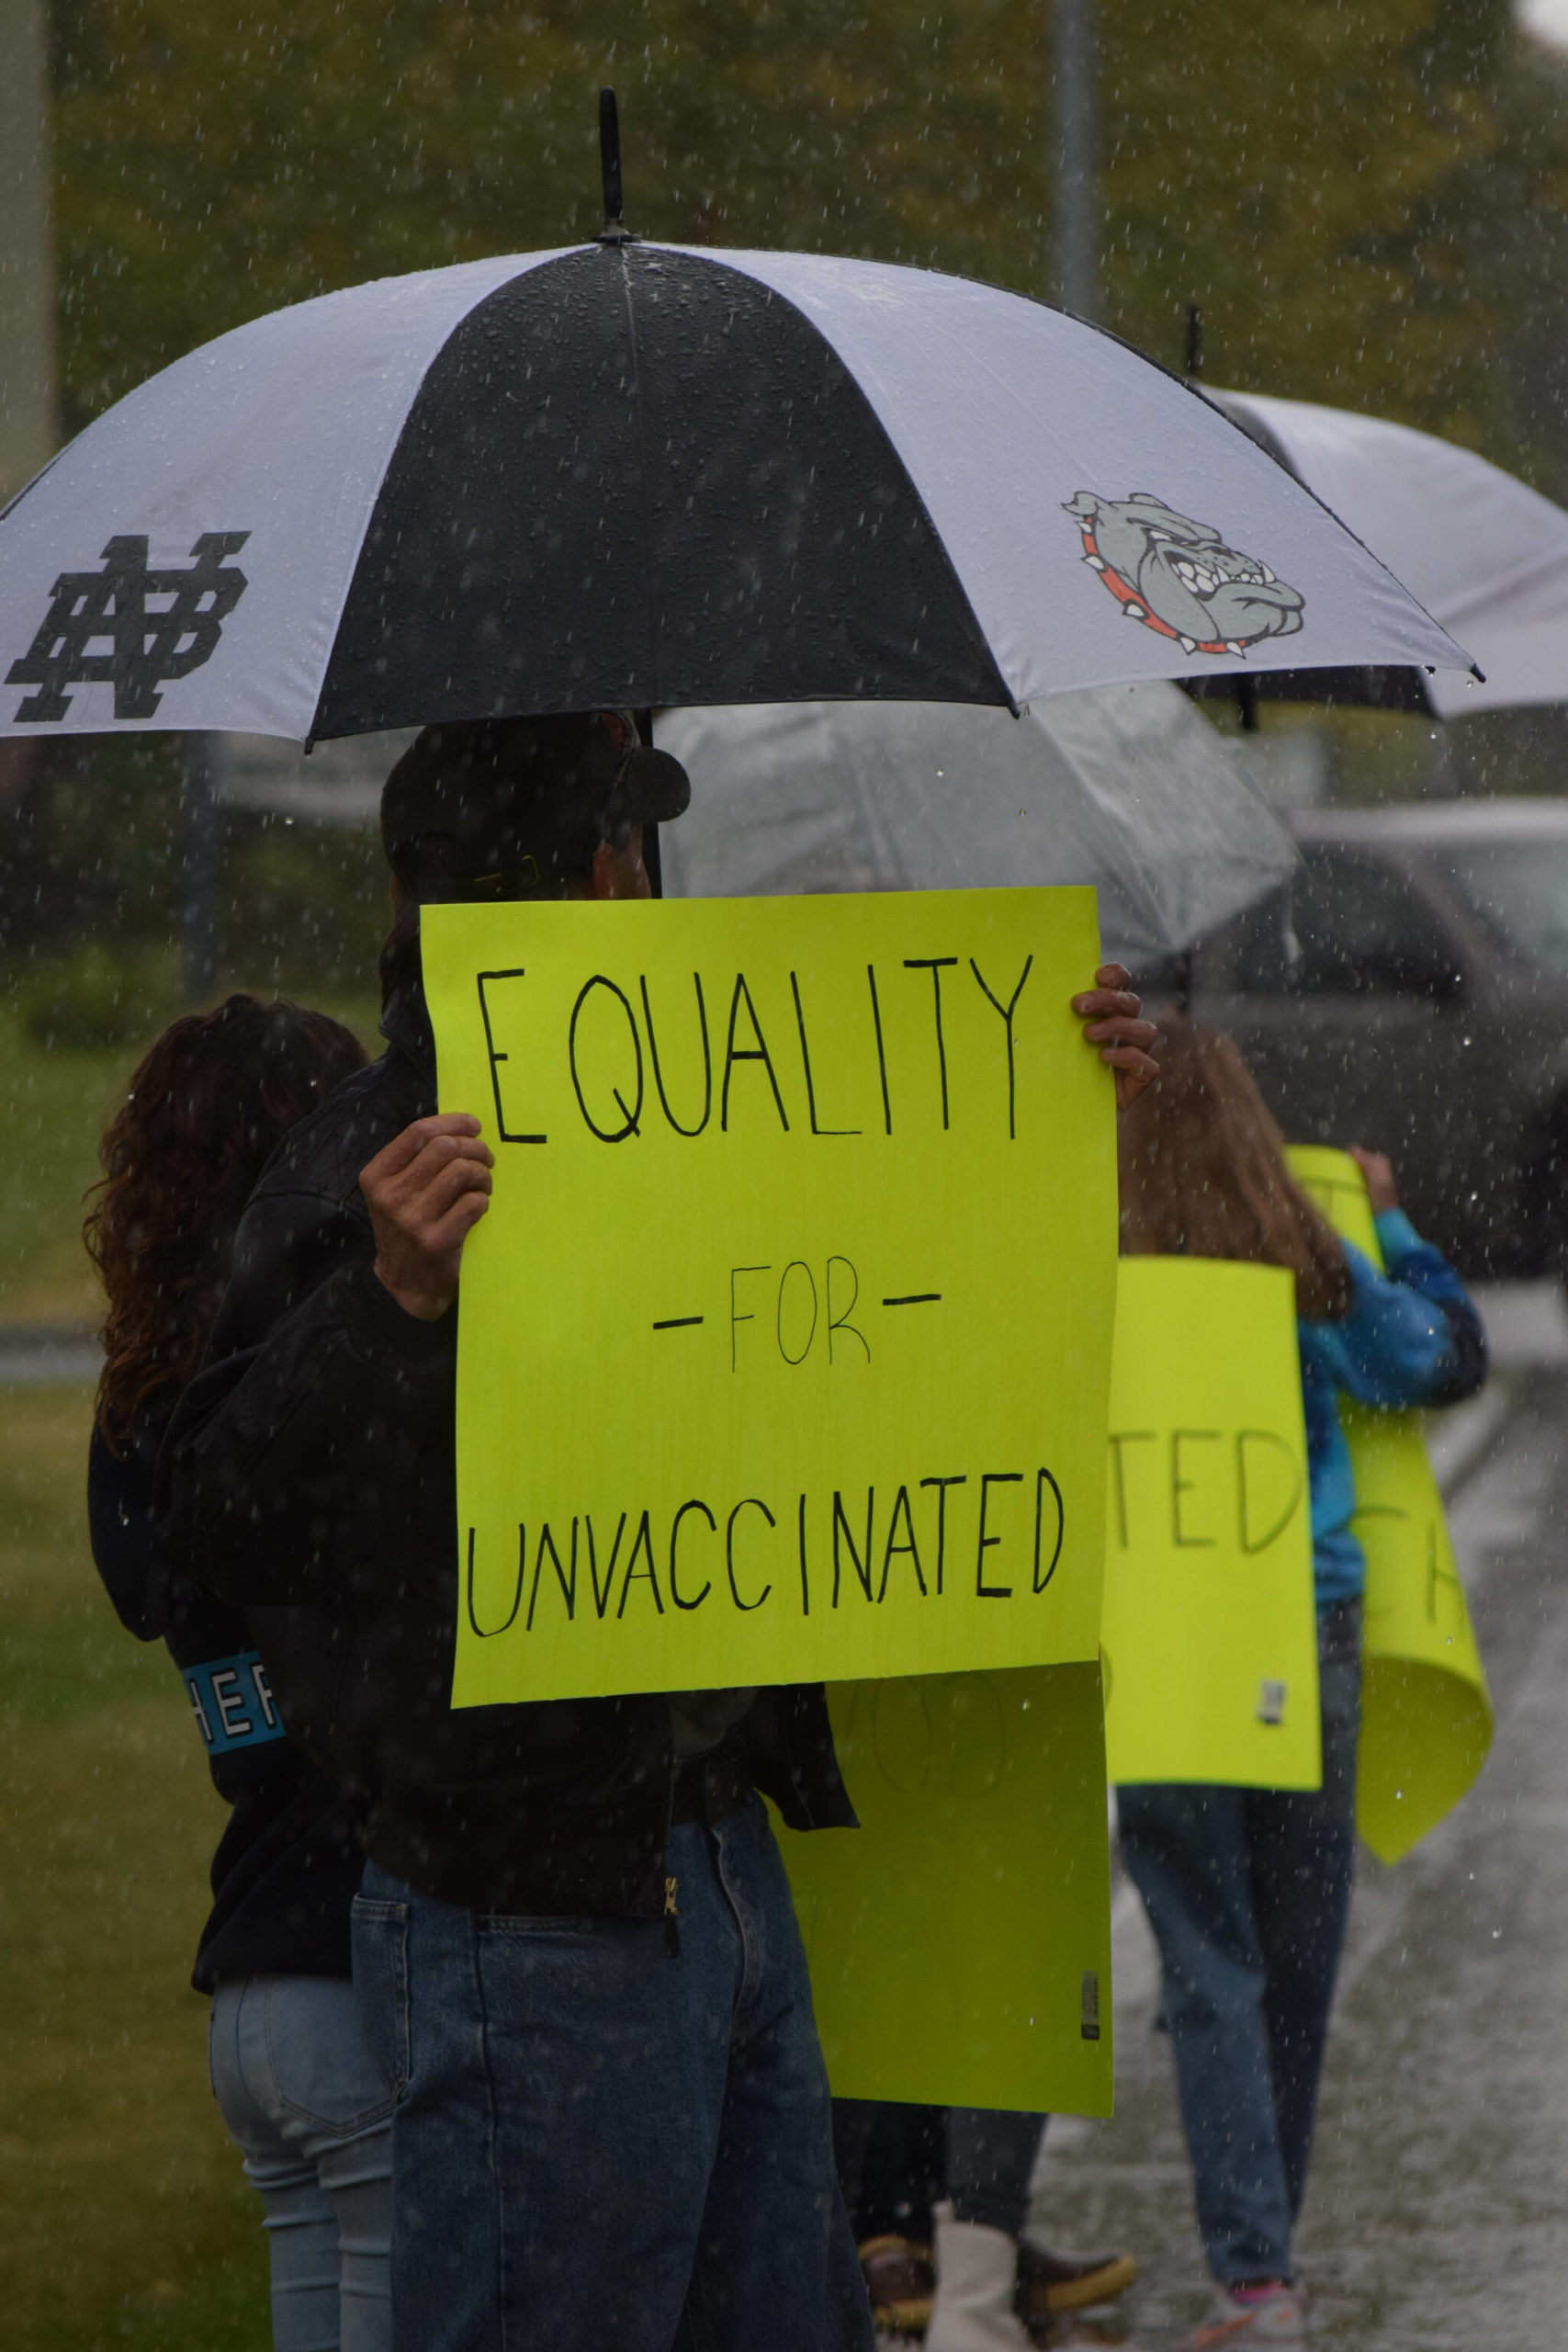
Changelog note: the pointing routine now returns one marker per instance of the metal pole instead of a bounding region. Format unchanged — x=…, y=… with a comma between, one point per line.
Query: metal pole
x=198, y=905
x=652, y=856
x=610, y=160
x=615, y=231
x=1194, y=342
x=28, y=422
x=1078, y=208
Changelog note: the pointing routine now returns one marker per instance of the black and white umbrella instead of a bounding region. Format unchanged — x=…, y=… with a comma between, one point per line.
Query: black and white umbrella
x=635, y=474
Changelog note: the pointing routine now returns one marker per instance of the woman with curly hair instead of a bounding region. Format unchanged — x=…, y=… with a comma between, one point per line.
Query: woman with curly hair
x=298, y=2090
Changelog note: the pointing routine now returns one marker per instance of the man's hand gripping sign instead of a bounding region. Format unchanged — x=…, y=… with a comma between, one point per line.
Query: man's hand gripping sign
x=784, y=1342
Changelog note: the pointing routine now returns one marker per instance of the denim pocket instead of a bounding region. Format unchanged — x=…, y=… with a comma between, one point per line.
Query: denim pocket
x=381, y=1936
x=320, y=2069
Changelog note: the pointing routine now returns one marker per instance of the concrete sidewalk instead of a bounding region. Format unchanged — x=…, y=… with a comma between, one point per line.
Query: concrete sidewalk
x=40, y=1355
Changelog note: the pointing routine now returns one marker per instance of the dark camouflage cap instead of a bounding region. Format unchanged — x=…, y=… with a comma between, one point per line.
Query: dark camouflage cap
x=512, y=807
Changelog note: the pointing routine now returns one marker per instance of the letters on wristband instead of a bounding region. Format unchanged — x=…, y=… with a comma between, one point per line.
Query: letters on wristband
x=232, y=1703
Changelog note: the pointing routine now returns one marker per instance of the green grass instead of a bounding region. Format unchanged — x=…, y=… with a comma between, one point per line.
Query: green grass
x=125, y=2221
x=54, y=1107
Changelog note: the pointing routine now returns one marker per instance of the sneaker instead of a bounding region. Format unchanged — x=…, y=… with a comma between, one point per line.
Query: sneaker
x=1271, y=2314
x=900, y=2278
x=1049, y=2283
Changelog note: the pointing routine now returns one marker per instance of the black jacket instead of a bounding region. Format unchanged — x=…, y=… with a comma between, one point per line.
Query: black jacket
x=288, y=1861
x=309, y=1476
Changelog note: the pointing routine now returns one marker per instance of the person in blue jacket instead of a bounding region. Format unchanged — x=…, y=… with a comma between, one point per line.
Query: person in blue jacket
x=1248, y=1890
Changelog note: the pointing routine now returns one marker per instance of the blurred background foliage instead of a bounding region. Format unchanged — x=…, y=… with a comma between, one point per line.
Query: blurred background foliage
x=1367, y=196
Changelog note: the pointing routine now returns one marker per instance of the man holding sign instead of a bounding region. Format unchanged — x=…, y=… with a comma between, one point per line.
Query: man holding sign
x=575, y=1949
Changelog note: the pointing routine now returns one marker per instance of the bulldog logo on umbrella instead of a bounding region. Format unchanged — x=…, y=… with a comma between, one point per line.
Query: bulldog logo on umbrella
x=1179, y=578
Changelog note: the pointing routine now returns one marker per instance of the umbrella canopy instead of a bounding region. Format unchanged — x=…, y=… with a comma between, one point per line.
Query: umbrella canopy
x=1125, y=786
x=1487, y=556
x=639, y=474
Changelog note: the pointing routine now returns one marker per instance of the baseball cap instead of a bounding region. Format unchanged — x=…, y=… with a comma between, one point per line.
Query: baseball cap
x=520, y=804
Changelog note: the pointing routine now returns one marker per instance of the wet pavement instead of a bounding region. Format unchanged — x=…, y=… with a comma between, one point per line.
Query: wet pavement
x=1436, y=2215
x=40, y=1355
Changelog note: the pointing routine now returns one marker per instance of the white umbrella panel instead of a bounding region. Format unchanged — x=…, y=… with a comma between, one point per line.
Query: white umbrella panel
x=641, y=475
x=1486, y=556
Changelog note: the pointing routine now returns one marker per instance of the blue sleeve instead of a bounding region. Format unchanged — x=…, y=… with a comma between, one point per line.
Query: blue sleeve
x=1421, y=1268
x=1412, y=1335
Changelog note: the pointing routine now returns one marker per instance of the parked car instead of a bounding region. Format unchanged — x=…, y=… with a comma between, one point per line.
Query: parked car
x=1408, y=990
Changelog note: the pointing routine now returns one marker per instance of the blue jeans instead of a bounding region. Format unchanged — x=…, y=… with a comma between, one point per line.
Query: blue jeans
x=598, y=2147
x=307, y=2107
x=1248, y=1891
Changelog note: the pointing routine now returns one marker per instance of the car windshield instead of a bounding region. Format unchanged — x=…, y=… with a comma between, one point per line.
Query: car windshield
x=1519, y=890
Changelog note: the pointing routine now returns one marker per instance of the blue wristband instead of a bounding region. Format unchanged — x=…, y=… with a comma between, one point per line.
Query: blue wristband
x=232, y=1703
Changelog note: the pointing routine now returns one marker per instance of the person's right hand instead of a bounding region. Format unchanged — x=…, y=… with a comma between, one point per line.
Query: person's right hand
x=425, y=1192
x=1382, y=1190
x=1109, y=1013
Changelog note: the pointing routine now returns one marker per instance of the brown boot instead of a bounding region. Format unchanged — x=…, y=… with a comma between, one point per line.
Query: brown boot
x=1049, y=2283
x=900, y=2278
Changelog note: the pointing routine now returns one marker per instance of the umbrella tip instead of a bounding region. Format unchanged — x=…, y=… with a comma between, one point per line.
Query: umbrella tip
x=615, y=231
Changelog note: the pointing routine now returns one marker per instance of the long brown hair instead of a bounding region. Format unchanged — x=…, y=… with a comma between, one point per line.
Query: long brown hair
x=206, y=1106
x=1203, y=1174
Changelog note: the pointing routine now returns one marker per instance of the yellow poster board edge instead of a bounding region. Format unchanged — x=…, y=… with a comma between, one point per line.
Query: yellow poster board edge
x=956, y=1965
x=1208, y=1711
x=1410, y=1706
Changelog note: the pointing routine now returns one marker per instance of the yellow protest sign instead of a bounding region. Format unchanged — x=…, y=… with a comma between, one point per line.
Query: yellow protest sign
x=784, y=1349
x=1426, y=1710
x=1210, y=1628
x=960, y=1939
x=1332, y=1179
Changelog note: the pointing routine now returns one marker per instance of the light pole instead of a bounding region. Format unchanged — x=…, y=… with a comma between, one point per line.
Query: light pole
x=200, y=871
x=28, y=418
x=1078, y=208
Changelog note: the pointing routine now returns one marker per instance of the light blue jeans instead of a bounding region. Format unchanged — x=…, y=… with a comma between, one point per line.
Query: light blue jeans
x=311, y=2115
x=1248, y=1891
